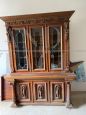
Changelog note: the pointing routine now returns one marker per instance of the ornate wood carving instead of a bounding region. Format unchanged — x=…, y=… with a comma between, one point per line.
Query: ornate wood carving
x=68, y=95
x=57, y=91
x=66, y=46
x=23, y=91
x=41, y=18
x=66, y=30
x=40, y=91
x=15, y=103
x=9, y=33
x=29, y=21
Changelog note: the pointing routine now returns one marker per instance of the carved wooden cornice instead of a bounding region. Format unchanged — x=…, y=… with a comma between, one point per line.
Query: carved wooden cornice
x=41, y=18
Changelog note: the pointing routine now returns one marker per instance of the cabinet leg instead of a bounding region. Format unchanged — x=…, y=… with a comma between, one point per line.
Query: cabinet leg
x=14, y=105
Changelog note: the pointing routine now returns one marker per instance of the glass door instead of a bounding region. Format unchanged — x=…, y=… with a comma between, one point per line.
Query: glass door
x=37, y=48
x=55, y=47
x=20, y=50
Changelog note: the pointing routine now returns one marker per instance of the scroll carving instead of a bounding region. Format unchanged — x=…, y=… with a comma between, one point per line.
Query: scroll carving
x=38, y=20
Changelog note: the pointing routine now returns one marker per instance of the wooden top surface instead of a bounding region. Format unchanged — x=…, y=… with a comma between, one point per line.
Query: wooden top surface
x=41, y=76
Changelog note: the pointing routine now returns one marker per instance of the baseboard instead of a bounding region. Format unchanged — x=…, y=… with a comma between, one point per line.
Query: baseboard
x=78, y=92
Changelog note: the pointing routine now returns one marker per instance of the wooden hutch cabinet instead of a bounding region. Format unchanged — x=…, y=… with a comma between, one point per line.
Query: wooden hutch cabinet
x=39, y=58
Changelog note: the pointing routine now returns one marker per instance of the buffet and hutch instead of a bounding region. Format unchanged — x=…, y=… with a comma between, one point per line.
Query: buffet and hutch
x=39, y=58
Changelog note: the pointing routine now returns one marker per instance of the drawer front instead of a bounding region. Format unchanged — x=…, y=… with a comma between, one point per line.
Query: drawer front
x=57, y=91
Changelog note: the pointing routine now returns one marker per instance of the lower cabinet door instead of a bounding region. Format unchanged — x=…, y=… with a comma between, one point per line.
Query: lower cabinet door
x=40, y=91
x=23, y=91
x=57, y=91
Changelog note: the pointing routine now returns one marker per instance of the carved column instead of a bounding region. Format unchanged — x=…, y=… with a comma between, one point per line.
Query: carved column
x=68, y=95
x=13, y=83
x=66, y=44
x=10, y=45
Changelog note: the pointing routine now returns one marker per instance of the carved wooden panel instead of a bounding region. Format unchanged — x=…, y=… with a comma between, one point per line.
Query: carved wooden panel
x=40, y=91
x=23, y=91
x=57, y=91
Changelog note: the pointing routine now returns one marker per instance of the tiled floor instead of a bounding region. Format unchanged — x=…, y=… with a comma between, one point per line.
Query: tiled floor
x=78, y=100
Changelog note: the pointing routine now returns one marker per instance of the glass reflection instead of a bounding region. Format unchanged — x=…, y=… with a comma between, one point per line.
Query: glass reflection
x=37, y=48
x=20, y=49
x=55, y=47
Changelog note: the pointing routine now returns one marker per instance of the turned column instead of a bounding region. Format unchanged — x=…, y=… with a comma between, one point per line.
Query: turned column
x=14, y=98
x=68, y=95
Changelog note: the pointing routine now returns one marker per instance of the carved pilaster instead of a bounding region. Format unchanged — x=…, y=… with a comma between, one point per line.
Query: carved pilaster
x=68, y=98
x=66, y=45
x=13, y=83
x=66, y=30
x=9, y=33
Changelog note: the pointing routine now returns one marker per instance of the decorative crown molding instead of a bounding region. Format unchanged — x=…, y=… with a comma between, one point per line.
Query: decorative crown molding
x=38, y=18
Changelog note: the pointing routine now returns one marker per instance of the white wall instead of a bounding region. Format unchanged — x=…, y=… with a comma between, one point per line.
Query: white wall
x=77, y=27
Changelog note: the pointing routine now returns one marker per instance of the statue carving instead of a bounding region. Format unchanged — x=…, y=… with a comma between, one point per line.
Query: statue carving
x=23, y=91
x=57, y=91
x=40, y=90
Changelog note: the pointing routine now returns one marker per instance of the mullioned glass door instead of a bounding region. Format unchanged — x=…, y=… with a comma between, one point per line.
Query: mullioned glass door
x=37, y=48
x=20, y=50
x=55, y=47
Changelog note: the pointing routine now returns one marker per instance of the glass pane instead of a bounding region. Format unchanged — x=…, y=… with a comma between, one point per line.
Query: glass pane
x=55, y=47
x=20, y=48
x=37, y=48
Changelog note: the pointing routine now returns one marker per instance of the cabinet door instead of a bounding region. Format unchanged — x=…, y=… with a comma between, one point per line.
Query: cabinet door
x=57, y=91
x=37, y=48
x=40, y=91
x=23, y=91
x=55, y=47
x=19, y=49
